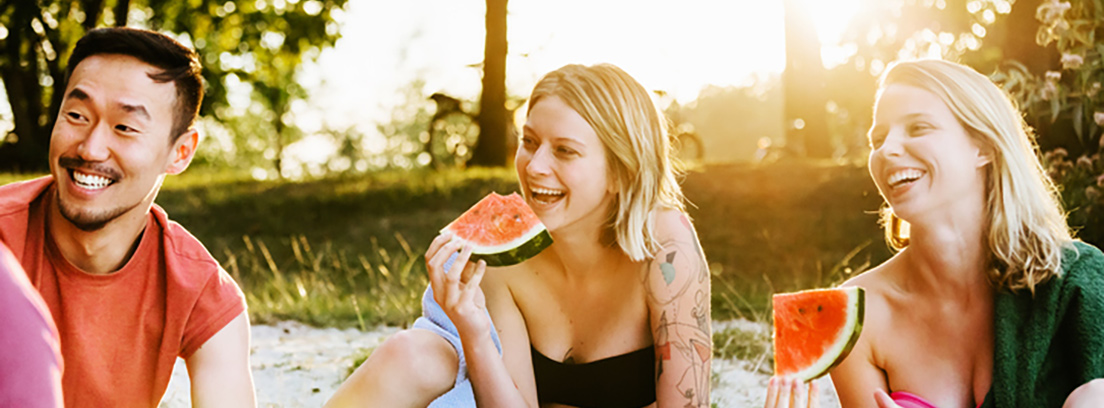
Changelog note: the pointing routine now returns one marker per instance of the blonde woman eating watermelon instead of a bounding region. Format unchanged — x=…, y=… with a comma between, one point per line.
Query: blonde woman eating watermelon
x=615, y=313
x=989, y=301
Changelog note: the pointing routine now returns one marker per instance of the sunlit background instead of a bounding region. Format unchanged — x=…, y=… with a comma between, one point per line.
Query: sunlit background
x=340, y=135
x=305, y=88
x=437, y=46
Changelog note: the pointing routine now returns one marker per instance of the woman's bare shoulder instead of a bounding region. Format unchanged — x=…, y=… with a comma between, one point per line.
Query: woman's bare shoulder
x=514, y=277
x=673, y=226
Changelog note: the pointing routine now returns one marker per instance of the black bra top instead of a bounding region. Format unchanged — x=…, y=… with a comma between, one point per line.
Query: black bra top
x=624, y=381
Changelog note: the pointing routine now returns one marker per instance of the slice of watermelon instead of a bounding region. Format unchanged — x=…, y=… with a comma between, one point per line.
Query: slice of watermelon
x=815, y=329
x=503, y=230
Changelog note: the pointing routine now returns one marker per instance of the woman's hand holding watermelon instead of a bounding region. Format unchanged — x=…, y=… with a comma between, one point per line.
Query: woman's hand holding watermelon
x=457, y=289
x=784, y=392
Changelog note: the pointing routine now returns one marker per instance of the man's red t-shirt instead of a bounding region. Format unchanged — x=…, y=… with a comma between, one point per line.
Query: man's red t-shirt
x=122, y=332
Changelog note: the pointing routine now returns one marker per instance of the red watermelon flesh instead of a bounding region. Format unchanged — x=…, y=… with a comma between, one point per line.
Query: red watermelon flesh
x=502, y=229
x=815, y=329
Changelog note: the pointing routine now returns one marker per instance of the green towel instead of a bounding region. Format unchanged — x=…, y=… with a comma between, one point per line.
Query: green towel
x=1049, y=345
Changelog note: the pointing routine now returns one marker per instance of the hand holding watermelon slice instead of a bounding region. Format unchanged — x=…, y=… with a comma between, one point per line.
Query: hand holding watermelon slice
x=814, y=330
x=786, y=392
x=497, y=231
x=455, y=282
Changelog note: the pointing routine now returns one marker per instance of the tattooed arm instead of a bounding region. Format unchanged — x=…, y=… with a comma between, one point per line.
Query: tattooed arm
x=677, y=285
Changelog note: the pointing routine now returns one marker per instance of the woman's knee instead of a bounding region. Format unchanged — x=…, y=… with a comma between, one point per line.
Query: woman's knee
x=415, y=357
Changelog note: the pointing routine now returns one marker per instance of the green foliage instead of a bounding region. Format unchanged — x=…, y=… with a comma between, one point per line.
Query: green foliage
x=359, y=358
x=783, y=227
x=756, y=224
x=1067, y=108
x=976, y=32
x=752, y=344
x=710, y=115
x=254, y=45
x=342, y=251
x=346, y=251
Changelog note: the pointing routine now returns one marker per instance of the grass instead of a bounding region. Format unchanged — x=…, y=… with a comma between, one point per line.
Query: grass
x=346, y=251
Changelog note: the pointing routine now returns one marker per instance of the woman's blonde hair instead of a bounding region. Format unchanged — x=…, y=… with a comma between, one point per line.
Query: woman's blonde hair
x=1026, y=225
x=638, y=151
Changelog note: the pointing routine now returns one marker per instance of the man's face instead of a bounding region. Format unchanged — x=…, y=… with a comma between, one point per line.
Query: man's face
x=110, y=148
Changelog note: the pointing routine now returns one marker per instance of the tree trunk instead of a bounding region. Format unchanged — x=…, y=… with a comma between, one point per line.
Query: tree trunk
x=122, y=7
x=490, y=149
x=804, y=98
x=25, y=95
x=92, y=11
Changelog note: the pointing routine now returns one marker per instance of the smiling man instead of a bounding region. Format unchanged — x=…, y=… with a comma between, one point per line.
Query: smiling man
x=129, y=290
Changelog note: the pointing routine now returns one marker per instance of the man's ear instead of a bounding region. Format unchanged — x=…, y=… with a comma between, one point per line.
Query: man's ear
x=183, y=151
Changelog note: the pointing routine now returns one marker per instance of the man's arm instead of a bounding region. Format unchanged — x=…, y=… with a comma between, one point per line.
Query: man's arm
x=219, y=371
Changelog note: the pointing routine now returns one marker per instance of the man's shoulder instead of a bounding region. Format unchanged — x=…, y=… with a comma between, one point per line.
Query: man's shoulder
x=16, y=200
x=183, y=250
x=17, y=197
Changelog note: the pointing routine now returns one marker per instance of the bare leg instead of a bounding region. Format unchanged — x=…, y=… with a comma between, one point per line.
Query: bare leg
x=410, y=369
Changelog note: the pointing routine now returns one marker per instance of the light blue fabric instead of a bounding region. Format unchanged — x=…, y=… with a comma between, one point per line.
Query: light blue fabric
x=434, y=319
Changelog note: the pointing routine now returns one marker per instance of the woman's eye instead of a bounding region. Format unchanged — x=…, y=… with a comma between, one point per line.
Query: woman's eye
x=566, y=151
x=918, y=128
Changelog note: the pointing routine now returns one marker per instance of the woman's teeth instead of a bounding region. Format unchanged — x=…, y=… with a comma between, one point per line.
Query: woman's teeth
x=905, y=176
x=90, y=181
x=545, y=195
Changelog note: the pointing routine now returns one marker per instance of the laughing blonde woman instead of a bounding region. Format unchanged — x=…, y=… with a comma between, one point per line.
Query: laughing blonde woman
x=615, y=313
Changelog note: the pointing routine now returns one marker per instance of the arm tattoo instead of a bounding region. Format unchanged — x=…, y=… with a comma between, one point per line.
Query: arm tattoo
x=681, y=333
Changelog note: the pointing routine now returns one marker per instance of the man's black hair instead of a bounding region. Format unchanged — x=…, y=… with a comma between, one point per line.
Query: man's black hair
x=178, y=64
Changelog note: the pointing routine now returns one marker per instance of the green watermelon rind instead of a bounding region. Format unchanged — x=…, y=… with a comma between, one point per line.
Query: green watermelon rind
x=855, y=322
x=518, y=250
x=519, y=254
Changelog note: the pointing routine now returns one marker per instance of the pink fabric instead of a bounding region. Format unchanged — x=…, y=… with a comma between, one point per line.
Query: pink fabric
x=909, y=400
x=30, y=360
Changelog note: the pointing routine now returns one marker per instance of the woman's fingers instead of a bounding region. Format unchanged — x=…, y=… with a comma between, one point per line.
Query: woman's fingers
x=469, y=271
x=883, y=400
x=800, y=394
x=772, y=392
x=437, y=243
x=814, y=395
x=435, y=268
x=785, y=393
x=452, y=277
x=471, y=287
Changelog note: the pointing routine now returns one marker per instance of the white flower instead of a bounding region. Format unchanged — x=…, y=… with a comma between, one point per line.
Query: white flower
x=1098, y=117
x=1072, y=61
x=1050, y=90
x=1050, y=11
